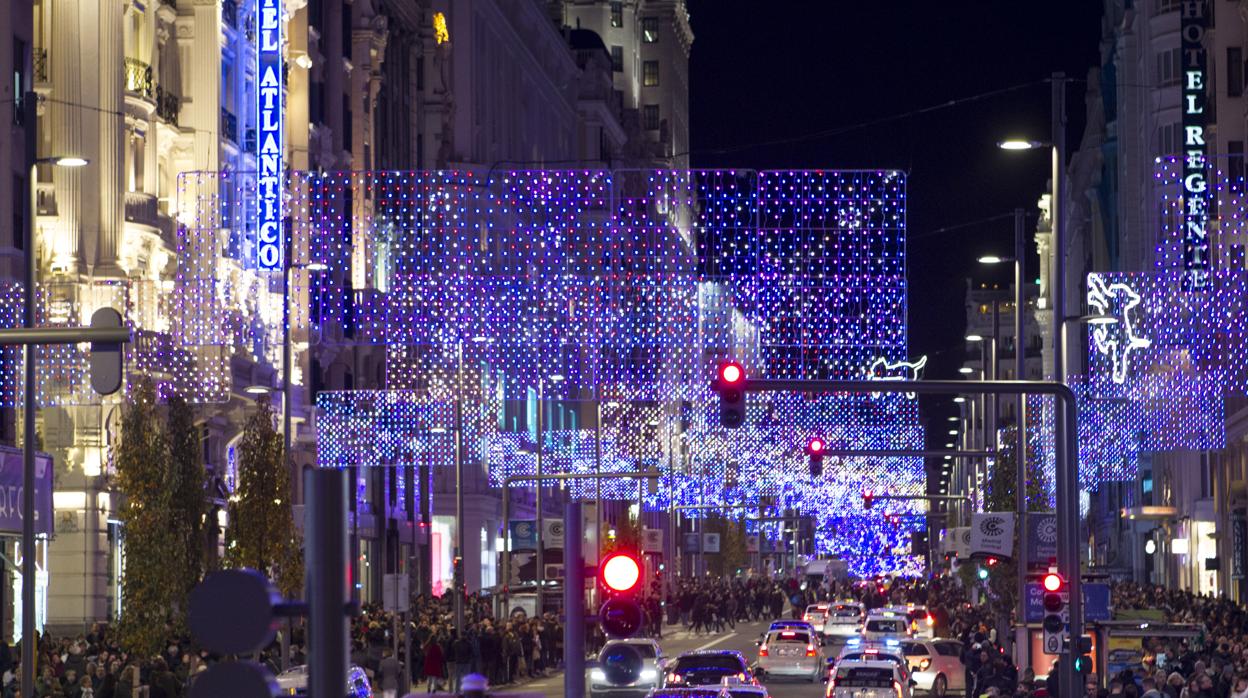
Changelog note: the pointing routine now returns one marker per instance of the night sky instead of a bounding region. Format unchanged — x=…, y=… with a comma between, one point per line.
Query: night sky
x=766, y=71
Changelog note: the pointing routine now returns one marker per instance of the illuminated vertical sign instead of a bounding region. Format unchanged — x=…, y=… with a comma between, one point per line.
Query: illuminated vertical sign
x=1196, y=262
x=270, y=243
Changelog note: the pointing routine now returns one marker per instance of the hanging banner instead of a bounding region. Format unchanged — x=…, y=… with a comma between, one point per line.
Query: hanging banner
x=1041, y=540
x=692, y=543
x=651, y=540
x=751, y=543
x=552, y=533
x=710, y=542
x=1196, y=259
x=523, y=535
x=992, y=533
x=11, y=492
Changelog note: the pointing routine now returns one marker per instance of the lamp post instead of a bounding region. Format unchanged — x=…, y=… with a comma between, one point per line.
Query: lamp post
x=30, y=125
x=1020, y=429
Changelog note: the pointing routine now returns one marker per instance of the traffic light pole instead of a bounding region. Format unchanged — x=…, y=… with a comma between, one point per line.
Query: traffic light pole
x=573, y=601
x=1065, y=451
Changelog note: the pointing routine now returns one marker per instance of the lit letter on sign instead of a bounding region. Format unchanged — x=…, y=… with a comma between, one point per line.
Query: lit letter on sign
x=1195, y=186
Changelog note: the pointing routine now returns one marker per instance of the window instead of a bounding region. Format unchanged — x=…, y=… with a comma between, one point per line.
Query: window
x=1169, y=139
x=617, y=58
x=650, y=73
x=19, y=220
x=1169, y=67
x=1234, y=71
x=19, y=82
x=650, y=117
x=650, y=30
x=617, y=14
x=1235, y=165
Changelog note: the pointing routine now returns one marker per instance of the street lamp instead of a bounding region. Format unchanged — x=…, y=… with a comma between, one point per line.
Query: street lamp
x=1020, y=144
x=30, y=126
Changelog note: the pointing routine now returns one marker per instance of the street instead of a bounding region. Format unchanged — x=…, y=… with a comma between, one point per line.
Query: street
x=740, y=639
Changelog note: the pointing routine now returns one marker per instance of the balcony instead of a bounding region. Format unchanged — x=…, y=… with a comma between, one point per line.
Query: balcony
x=141, y=208
x=229, y=126
x=168, y=106
x=229, y=13
x=39, y=57
x=139, y=78
x=249, y=140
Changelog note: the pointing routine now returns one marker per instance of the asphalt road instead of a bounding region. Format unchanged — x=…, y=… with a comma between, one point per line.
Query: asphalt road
x=677, y=641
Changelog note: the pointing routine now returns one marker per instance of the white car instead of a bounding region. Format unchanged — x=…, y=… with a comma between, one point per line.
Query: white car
x=869, y=679
x=791, y=653
x=844, y=620
x=881, y=627
x=936, y=665
x=294, y=682
x=922, y=624
x=890, y=654
x=601, y=683
x=816, y=614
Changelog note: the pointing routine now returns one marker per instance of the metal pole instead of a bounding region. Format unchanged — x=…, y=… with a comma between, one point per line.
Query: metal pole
x=287, y=362
x=1020, y=428
x=426, y=522
x=460, y=584
x=541, y=542
x=573, y=602
x=30, y=119
x=994, y=352
x=327, y=576
x=1067, y=481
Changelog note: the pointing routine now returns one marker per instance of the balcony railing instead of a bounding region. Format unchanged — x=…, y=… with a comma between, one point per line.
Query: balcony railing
x=229, y=126
x=141, y=208
x=168, y=106
x=139, y=77
x=229, y=13
x=39, y=57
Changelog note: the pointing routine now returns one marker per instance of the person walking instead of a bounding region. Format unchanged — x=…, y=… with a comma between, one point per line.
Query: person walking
x=461, y=656
x=388, y=672
x=435, y=665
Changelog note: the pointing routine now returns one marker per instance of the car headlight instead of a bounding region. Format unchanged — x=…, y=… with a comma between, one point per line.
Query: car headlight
x=649, y=675
x=597, y=675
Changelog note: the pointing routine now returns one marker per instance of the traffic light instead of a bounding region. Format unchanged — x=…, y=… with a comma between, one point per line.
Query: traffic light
x=868, y=499
x=1083, y=664
x=234, y=612
x=815, y=448
x=982, y=572
x=620, y=617
x=730, y=384
x=1056, y=614
x=106, y=358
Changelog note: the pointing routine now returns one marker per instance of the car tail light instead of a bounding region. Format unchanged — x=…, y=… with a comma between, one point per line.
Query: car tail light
x=831, y=685
x=914, y=626
x=930, y=619
x=924, y=664
x=742, y=676
x=675, y=678
x=810, y=650
x=897, y=688
x=762, y=651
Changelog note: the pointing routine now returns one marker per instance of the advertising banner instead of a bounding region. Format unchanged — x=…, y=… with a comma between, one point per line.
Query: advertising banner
x=11, y=492
x=523, y=535
x=692, y=543
x=710, y=542
x=651, y=540
x=552, y=533
x=1041, y=540
x=992, y=533
x=751, y=543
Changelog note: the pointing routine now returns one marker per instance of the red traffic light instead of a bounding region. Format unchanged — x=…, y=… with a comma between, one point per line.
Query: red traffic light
x=731, y=373
x=620, y=572
x=868, y=498
x=1053, y=582
x=815, y=445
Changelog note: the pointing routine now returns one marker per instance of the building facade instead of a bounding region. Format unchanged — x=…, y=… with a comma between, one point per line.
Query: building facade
x=170, y=90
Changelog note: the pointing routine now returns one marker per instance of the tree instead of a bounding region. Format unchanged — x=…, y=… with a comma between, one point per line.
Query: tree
x=731, y=555
x=261, y=533
x=188, y=506
x=150, y=586
x=1003, y=577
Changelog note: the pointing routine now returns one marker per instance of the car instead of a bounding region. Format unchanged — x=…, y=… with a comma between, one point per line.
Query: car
x=728, y=688
x=883, y=626
x=816, y=614
x=791, y=653
x=936, y=665
x=648, y=677
x=706, y=667
x=868, y=679
x=786, y=625
x=294, y=682
x=844, y=619
x=891, y=653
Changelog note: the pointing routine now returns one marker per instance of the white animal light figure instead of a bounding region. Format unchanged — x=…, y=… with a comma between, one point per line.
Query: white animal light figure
x=1118, y=339
x=883, y=370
